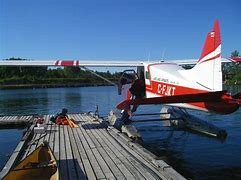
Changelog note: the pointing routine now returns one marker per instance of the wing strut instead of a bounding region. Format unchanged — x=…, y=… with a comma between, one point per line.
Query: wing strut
x=92, y=72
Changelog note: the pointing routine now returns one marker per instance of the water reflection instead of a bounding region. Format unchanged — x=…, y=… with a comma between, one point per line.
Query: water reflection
x=49, y=101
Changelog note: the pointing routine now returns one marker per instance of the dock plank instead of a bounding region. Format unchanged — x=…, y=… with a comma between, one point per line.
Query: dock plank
x=82, y=153
x=119, y=153
x=137, y=166
x=146, y=168
x=122, y=161
x=51, y=128
x=79, y=166
x=69, y=157
x=48, y=127
x=56, y=144
x=88, y=145
x=62, y=154
x=105, y=168
x=102, y=151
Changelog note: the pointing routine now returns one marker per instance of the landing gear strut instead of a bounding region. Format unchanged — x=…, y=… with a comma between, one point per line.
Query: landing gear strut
x=191, y=122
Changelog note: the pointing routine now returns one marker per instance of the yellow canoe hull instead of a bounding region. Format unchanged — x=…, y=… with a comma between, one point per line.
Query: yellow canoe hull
x=40, y=164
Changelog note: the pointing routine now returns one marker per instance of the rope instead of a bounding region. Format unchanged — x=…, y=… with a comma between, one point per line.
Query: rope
x=105, y=79
x=35, y=140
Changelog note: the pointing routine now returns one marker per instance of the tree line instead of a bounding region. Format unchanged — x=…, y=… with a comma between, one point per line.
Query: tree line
x=66, y=76
x=232, y=71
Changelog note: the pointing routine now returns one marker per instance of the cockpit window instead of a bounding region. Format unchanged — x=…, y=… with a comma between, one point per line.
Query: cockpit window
x=147, y=75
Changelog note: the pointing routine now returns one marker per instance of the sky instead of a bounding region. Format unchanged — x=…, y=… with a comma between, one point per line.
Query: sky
x=115, y=29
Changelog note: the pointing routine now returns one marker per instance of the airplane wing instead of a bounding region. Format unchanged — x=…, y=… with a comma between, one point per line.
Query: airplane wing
x=234, y=59
x=217, y=96
x=86, y=63
x=108, y=63
x=194, y=61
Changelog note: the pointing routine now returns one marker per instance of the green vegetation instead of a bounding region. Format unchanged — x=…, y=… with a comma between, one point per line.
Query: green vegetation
x=20, y=77
x=232, y=71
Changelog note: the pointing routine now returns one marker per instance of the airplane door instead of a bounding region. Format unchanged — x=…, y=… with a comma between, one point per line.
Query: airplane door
x=125, y=82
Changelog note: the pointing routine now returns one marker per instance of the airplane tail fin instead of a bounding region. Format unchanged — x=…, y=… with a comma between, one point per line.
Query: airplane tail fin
x=208, y=68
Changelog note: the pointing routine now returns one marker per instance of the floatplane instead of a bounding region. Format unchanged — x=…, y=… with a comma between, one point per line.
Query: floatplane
x=168, y=83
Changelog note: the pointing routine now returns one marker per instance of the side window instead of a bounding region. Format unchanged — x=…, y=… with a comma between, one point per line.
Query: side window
x=147, y=75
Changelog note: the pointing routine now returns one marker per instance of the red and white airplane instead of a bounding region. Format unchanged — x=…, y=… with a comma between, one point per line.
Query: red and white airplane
x=198, y=88
x=167, y=82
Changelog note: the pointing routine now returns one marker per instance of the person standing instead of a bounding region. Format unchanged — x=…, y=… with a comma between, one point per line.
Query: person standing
x=137, y=90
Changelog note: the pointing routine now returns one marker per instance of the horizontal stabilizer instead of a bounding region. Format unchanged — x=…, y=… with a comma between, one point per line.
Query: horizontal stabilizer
x=218, y=96
x=235, y=59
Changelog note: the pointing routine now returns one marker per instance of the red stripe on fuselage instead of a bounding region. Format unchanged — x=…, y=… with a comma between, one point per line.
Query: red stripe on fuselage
x=164, y=89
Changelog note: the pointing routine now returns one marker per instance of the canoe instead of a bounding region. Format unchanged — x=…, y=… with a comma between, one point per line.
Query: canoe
x=40, y=164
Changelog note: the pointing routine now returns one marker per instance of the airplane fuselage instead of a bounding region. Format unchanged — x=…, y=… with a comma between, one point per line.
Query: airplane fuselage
x=169, y=79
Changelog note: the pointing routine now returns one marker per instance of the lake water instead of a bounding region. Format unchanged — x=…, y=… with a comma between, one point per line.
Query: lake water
x=193, y=155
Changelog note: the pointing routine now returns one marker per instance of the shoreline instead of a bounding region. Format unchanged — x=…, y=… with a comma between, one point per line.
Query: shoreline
x=32, y=86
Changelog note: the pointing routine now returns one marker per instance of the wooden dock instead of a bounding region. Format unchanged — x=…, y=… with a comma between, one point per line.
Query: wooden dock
x=15, y=121
x=93, y=151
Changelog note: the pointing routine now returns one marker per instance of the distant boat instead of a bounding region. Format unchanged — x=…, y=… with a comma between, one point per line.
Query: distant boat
x=40, y=164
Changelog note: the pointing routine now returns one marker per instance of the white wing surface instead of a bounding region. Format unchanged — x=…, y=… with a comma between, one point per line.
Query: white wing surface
x=95, y=63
